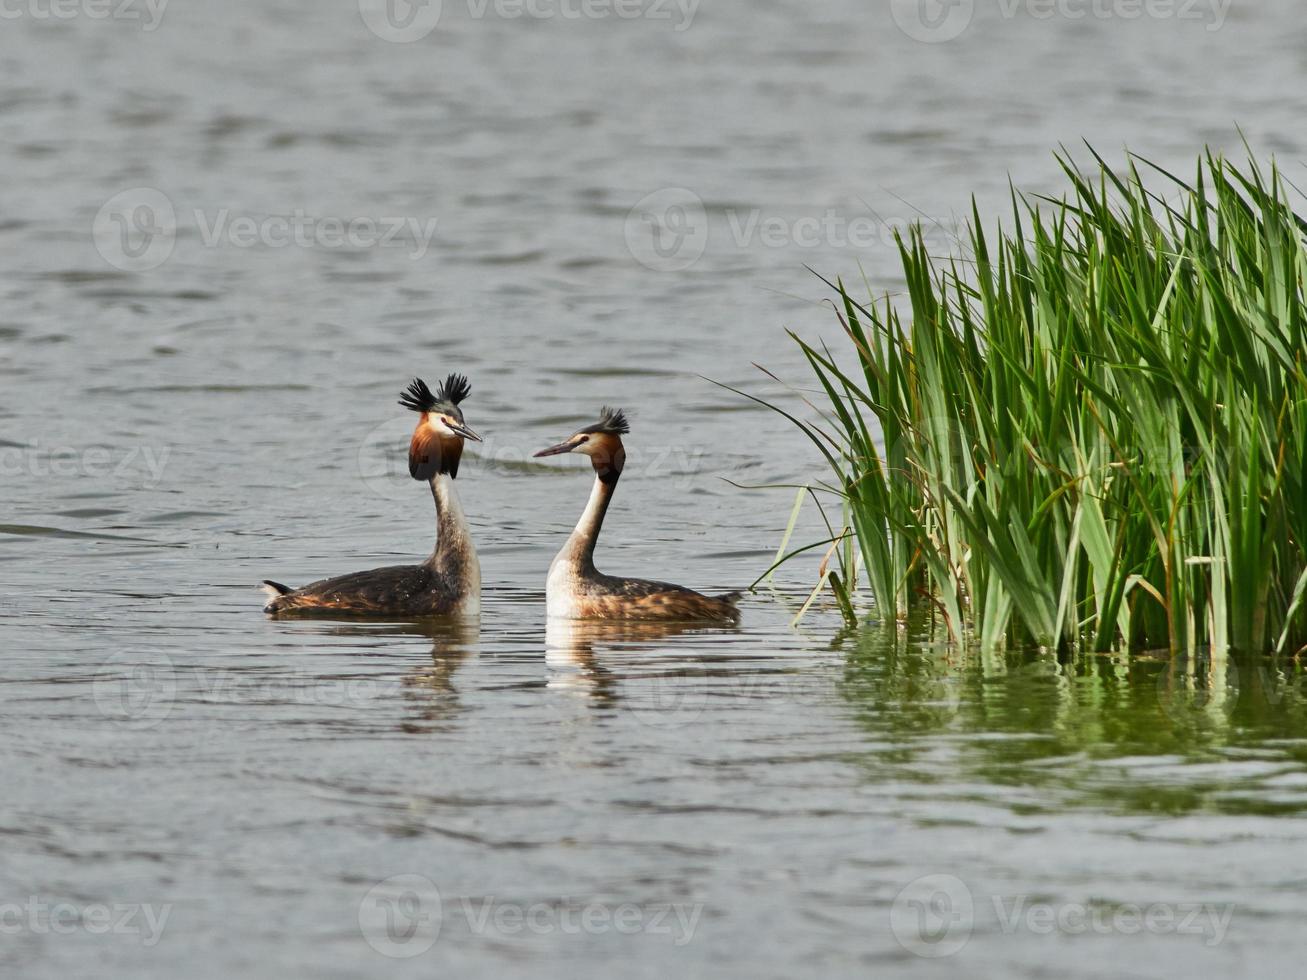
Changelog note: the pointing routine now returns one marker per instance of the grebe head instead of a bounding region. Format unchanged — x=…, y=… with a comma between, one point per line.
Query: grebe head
x=437, y=442
x=602, y=442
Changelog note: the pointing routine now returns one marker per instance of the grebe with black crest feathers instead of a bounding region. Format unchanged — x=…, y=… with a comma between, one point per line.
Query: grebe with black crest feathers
x=446, y=584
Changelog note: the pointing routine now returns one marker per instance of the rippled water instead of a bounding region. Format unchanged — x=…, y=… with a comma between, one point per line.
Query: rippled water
x=188, y=787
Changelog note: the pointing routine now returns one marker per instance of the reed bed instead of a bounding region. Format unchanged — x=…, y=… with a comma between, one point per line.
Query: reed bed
x=1089, y=428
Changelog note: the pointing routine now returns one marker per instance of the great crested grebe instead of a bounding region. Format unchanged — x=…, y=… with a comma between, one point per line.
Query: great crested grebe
x=446, y=584
x=575, y=589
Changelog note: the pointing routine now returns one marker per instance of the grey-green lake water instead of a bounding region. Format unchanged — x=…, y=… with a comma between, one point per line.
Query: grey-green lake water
x=202, y=338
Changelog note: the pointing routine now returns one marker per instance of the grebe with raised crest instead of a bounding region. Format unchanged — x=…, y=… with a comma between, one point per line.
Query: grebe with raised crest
x=446, y=584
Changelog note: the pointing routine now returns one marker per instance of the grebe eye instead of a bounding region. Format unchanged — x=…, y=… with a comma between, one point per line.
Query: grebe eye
x=585, y=438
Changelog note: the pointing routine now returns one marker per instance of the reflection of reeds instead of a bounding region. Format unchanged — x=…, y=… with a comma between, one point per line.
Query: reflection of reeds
x=1075, y=703
x=1093, y=430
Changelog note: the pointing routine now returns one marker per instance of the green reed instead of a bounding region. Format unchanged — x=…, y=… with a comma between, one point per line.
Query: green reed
x=1091, y=430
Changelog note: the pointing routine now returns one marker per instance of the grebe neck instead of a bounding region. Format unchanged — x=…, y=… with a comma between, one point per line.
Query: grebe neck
x=454, y=554
x=580, y=546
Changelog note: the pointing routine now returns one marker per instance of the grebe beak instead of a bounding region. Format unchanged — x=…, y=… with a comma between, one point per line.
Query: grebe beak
x=562, y=447
x=463, y=430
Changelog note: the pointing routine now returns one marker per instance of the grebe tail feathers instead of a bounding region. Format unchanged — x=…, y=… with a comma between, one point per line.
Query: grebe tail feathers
x=274, y=591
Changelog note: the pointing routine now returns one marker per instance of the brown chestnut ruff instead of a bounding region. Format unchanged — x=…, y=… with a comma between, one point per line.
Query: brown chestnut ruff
x=575, y=589
x=446, y=584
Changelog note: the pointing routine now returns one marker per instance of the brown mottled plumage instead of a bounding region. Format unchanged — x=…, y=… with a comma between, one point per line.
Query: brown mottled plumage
x=446, y=584
x=397, y=590
x=600, y=596
x=575, y=589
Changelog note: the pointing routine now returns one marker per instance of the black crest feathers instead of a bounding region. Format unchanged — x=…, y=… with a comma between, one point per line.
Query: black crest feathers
x=613, y=421
x=417, y=397
x=454, y=390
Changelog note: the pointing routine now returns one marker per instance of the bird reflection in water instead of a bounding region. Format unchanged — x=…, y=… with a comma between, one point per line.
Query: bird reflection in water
x=452, y=643
x=590, y=659
x=429, y=684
